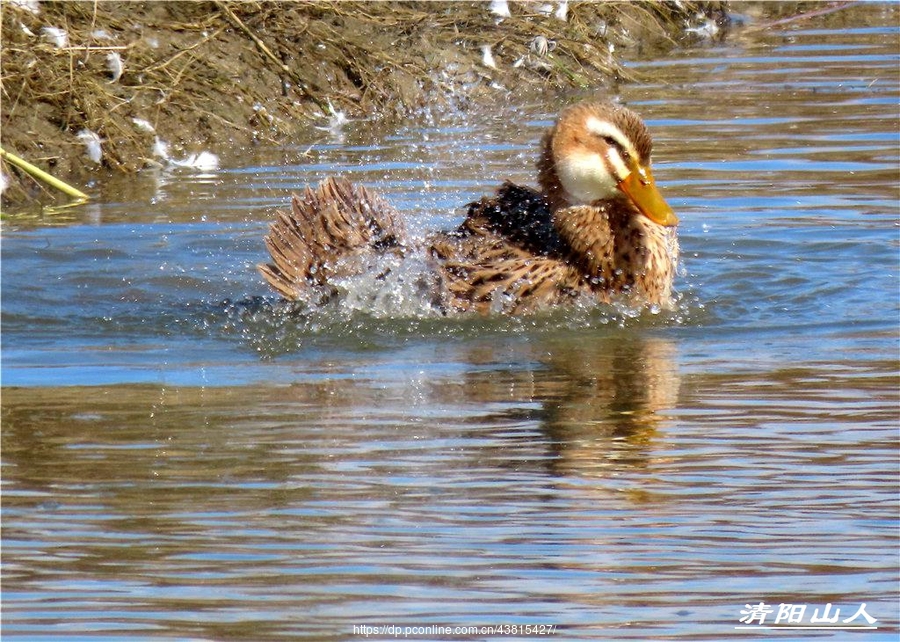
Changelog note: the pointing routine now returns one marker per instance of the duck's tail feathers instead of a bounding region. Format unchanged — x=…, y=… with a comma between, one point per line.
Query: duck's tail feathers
x=332, y=231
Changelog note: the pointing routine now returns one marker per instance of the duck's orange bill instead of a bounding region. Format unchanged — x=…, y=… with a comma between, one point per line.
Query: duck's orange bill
x=641, y=189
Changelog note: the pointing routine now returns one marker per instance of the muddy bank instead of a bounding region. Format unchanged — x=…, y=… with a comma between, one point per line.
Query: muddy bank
x=90, y=87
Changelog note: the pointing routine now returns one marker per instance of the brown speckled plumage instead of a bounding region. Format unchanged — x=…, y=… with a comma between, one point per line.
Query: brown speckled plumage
x=518, y=251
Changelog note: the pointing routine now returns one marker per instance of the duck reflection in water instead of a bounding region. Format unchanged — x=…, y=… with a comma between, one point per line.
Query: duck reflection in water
x=601, y=402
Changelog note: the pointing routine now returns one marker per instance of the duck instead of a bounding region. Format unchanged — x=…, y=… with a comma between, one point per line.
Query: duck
x=596, y=229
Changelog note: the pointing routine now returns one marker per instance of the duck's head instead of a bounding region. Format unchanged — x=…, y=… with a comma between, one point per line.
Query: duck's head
x=598, y=151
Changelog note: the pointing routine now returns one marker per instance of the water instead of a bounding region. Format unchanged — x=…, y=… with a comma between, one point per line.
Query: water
x=181, y=461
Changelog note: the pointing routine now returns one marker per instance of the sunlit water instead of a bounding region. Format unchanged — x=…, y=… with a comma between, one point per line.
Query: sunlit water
x=181, y=458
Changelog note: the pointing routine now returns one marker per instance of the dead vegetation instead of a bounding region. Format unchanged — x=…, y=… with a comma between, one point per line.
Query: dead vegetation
x=222, y=74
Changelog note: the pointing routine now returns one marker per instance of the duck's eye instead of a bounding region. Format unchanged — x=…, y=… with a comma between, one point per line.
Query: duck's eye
x=612, y=142
x=616, y=145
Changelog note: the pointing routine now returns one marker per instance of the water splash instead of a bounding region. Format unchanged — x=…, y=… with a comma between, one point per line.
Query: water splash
x=378, y=309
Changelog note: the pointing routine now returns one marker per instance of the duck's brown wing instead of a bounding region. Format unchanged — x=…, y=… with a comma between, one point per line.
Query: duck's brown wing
x=485, y=274
x=506, y=256
x=332, y=231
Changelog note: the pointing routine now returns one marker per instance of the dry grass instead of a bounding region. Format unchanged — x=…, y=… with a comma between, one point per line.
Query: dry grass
x=203, y=73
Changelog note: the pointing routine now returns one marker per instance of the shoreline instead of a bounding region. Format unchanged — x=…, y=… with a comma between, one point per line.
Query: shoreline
x=92, y=87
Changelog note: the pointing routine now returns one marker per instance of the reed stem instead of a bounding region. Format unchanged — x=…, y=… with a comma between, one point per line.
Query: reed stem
x=40, y=174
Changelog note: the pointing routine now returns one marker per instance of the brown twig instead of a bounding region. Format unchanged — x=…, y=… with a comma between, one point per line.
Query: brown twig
x=168, y=61
x=234, y=20
x=803, y=16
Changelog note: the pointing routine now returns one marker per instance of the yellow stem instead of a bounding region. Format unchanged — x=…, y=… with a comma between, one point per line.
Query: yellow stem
x=40, y=174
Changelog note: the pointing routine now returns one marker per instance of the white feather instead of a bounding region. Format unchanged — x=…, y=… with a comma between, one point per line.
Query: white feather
x=92, y=144
x=204, y=161
x=31, y=6
x=707, y=29
x=562, y=10
x=57, y=36
x=500, y=8
x=487, y=57
x=160, y=148
x=337, y=118
x=114, y=65
x=143, y=125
